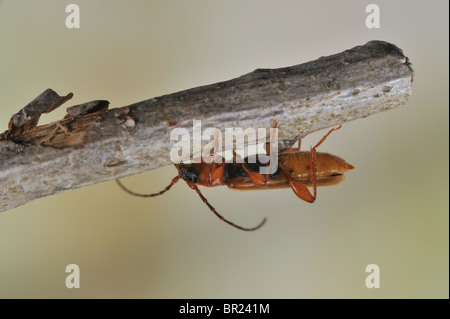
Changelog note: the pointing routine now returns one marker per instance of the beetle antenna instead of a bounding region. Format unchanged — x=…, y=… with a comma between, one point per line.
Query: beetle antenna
x=173, y=182
x=194, y=187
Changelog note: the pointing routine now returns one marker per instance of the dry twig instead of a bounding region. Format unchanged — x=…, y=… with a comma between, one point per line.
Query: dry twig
x=92, y=145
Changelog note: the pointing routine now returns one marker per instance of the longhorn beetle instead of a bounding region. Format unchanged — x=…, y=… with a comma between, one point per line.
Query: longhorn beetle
x=296, y=170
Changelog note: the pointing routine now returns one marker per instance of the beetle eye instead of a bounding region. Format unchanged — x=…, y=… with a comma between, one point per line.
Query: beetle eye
x=190, y=175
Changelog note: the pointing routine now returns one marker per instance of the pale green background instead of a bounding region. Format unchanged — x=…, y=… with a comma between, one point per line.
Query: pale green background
x=391, y=211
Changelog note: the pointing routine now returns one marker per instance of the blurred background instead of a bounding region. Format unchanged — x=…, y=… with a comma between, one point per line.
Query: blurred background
x=391, y=211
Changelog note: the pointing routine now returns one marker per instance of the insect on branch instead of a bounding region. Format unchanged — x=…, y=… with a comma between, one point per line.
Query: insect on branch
x=92, y=144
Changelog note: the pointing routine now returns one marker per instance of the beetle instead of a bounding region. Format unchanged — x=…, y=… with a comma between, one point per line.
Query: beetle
x=296, y=170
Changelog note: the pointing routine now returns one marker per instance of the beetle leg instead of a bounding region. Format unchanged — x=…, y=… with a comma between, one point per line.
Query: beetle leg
x=216, y=172
x=314, y=160
x=256, y=178
x=194, y=187
x=301, y=190
x=271, y=140
x=173, y=182
x=294, y=149
x=269, y=150
x=216, y=169
x=326, y=135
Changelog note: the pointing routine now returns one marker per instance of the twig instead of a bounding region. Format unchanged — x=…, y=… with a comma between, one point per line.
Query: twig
x=92, y=145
